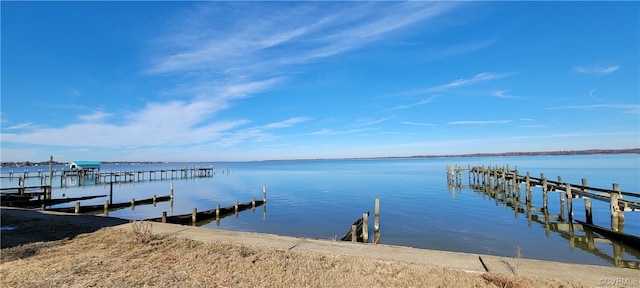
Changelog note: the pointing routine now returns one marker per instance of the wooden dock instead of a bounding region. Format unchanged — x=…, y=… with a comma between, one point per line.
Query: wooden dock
x=106, y=207
x=359, y=231
x=98, y=177
x=505, y=185
x=24, y=201
x=200, y=218
x=557, y=223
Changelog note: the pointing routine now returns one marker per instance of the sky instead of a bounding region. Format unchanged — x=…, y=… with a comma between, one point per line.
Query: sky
x=245, y=81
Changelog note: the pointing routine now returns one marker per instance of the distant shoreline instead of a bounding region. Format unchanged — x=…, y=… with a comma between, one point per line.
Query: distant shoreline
x=502, y=154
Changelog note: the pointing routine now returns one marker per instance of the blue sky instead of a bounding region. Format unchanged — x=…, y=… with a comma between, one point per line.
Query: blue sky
x=220, y=81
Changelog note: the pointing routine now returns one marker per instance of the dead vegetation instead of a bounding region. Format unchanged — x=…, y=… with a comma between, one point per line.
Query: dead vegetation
x=116, y=258
x=143, y=231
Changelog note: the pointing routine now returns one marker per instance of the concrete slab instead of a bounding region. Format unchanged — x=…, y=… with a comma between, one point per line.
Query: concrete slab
x=591, y=274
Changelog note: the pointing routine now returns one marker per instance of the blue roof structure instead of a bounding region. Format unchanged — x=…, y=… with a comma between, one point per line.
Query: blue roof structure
x=85, y=165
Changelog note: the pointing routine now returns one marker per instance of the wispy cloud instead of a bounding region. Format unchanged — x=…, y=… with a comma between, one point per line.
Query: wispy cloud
x=95, y=117
x=326, y=131
x=287, y=123
x=480, y=77
x=598, y=70
x=482, y=122
x=407, y=106
x=504, y=94
x=628, y=108
x=20, y=126
x=417, y=123
x=257, y=41
x=371, y=121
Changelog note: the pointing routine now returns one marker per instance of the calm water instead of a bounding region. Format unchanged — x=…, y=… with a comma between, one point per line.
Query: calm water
x=320, y=199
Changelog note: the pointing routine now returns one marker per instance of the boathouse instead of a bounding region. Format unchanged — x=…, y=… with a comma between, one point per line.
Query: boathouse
x=85, y=165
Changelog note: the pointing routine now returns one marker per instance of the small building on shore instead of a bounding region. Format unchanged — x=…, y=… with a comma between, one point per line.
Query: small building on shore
x=85, y=165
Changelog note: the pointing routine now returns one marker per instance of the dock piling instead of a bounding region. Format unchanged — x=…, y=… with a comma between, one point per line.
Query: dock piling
x=376, y=222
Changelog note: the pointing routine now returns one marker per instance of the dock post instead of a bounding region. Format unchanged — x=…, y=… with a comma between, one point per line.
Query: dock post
x=569, y=203
x=544, y=192
x=527, y=180
x=133, y=203
x=253, y=203
x=164, y=216
x=193, y=216
x=154, y=200
x=51, y=172
x=110, y=192
x=376, y=222
x=264, y=193
x=106, y=208
x=77, y=208
x=171, y=190
x=354, y=237
x=218, y=212
x=615, y=207
x=587, y=210
x=365, y=227
x=562, y=200
x=236, y=208
x=587, y=203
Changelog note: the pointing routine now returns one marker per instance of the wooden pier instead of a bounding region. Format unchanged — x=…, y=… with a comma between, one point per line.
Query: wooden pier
x=98, y=177
x=196, y=218
x=557, y=223
x=359, y=230
x=106, y=207
x=504, y=185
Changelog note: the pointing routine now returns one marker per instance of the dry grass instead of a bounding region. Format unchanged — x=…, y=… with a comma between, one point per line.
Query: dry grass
x=116, y=258
x=143, y=231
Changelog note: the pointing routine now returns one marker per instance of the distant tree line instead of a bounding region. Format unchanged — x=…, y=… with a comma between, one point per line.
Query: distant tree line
x=543, y=153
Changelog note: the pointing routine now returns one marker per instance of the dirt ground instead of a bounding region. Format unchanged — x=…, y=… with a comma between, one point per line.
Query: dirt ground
x=46, y=250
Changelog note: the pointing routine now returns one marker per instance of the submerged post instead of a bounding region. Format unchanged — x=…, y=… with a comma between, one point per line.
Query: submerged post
x=264, y=193
x=193, y=216
x=218, y=212
x=171, y=190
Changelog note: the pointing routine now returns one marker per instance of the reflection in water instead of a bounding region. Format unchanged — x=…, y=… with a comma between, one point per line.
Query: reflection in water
x=577, y=235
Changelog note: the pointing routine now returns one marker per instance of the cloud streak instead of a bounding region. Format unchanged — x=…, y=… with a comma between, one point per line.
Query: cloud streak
x=598, y=70
x=628, y=108
x=479, y=122
x=480, y=77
